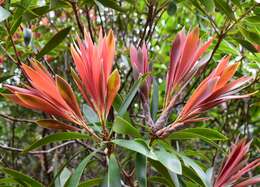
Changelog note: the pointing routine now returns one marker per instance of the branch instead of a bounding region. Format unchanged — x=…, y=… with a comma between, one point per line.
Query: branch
x=36, y=152
x=9, y=118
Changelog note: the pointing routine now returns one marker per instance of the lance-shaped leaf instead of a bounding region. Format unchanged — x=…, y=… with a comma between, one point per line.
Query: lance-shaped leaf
x=54, y=124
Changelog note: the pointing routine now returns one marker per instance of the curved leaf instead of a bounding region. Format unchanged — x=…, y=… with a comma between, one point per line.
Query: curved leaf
x=113, y=172
x=54, y=138
x=54, y=124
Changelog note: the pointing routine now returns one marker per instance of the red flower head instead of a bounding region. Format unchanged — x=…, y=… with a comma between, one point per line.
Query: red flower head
x=94, y=64
x=54, y=97
x=184, y=61
x=235, y=166
x=215, y=89
x=140, y=64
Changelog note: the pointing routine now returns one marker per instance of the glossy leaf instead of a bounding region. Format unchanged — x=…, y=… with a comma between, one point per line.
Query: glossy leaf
x=54, y=42
x=90, y=114
x=169, y=160
x=75, y=177
x=209, y=4
x=54, y=138
x=250, y=36
x=113, y=172
x=21, y=177
x=122, y=126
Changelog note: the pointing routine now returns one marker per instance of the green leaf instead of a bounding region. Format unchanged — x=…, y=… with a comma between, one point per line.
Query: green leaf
x=190, y=163
x=130, y=96
x=209, y=5
x=250, y=36
x=163, y=172
x=225, y=8
x=122, y=126
x=75, y=177
x=91, y=182
x=137, y=145
x=113, y=172
x=141, y=170
x=172, y=8
x=111, y=4
x=90, y=114
x=63, y=177
x=54, y=138
x=246, y=45
x=16, y=24
x=252, y=19
x=4, y=14
x=36, y=12
x=169, y=160
x=205, y=134
x=21, y=177
x=54, y=42
x=160, y=180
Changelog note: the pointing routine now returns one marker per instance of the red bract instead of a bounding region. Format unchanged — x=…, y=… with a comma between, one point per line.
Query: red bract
x=184, y=61
x=46, y=94
x=94, y=64
x=215, y=89
x=235, y=166
x=140, y=64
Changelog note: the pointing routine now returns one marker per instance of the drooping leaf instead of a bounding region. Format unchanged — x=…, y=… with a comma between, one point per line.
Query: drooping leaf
x=54, y=124
x=124, y=127
x=4, y=14
x=75, y=177
x=113, y=172
x=21, y=177
x=137, y=145
x=169, y=160
x=53, y=42
x=246, y=45
x=141, y=170
x=54, y=138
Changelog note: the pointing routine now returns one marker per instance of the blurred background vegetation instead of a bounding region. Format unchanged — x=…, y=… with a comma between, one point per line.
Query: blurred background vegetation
x=44, y=29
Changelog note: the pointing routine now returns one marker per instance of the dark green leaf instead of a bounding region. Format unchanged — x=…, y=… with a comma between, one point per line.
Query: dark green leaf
x=172, y=8
x=54, y=42
x=54, y=138
x=122, y=126
x=225, y=8
x=113, y=172
x=253, y=19
x=36, y=12
x=250, y=36
x=141, y=170
x=21, y=177
x=5, y=77
x=246, y=45
x=4, y=14
x=111, y=4
x=75, y=177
